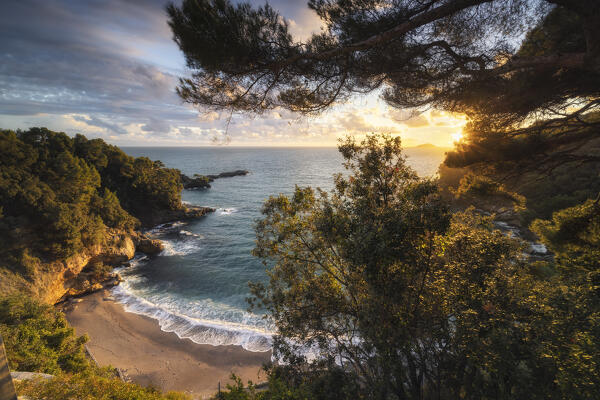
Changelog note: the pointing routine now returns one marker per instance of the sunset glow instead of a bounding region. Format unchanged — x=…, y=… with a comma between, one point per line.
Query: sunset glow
x=132, y=101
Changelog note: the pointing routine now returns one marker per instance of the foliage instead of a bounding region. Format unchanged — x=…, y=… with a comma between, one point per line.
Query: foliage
x=574, y=235
x=543, y=118
x=472, y=187
x=566, y=186
x=408, y=301
x=100, y=385
x=59, y=194
x=551, y=188
x=285, y=383
x=526, y=73
x=246, y=58
x=38, y=338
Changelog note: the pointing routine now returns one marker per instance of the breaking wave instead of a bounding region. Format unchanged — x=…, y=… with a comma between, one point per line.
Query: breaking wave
x=226, y=211
x=178, y=248
x=201, y=331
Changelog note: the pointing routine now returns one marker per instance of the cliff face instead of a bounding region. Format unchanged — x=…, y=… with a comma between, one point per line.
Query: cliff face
x=90, y=270
x=58, y=280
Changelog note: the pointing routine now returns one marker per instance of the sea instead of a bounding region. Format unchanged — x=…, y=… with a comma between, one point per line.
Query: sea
x=198, y=286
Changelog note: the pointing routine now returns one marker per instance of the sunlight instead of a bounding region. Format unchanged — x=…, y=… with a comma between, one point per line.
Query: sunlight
x=456, y=137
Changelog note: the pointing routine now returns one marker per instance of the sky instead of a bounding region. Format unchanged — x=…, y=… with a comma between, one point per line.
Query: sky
x=109, y=68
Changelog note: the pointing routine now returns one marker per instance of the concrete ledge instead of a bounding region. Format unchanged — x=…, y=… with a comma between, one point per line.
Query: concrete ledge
x=7, y=388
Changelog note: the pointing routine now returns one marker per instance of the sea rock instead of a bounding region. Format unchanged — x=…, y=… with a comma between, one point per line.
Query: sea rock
x=149, y=246
x=82, y=287
x=184, y=213
x=203, y=181
x=239, y=172
x=55, y=281
x=197, y=182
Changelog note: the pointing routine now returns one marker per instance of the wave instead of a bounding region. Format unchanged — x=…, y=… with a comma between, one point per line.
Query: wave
x=170, y=226
x=214, y=327
x=201, y=331
x=190, y=234
x=226, y=211
x=178, y=247
x=538, y=248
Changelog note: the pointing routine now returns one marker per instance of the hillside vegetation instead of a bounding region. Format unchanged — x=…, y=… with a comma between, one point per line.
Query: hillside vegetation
x=38, y=339
x=59, y=194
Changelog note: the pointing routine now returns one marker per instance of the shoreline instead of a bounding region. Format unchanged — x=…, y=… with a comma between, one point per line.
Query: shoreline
x=149, y=356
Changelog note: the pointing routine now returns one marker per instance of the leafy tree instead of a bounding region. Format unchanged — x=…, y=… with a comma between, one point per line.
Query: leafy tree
x=59, y=194
x=526, y=73
x=407, y=300
x=443, y=53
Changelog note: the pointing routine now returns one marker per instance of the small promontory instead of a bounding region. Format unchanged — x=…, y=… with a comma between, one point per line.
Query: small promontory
x=203, y=181
x=72, y=209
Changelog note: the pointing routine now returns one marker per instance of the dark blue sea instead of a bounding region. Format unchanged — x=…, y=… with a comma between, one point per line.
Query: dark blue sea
x=197, y=287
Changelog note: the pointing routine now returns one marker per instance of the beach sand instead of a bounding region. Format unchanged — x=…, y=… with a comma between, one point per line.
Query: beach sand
x=146, y=355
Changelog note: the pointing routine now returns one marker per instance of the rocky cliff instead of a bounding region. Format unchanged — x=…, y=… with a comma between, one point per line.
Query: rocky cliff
x=87, y=271
x=91, y=269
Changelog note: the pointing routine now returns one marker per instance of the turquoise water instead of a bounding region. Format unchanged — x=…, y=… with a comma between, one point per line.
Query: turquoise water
x=197, y=287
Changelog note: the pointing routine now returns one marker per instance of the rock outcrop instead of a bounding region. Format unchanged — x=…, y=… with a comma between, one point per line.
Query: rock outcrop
x=239, y=172
x=90, y=270
x=56, y=281
x=203, y=181
x=148, y=245
x=185, y=213
x=197, y=182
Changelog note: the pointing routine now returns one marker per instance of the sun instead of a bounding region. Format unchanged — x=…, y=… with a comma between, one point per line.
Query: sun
x=456, y=137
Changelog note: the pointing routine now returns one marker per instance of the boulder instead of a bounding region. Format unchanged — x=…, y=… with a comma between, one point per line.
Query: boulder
x=150, y=246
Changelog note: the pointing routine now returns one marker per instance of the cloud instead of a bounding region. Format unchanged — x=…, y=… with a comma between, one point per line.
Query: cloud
x=95, y=121
x=156, y=126
x=109, y=68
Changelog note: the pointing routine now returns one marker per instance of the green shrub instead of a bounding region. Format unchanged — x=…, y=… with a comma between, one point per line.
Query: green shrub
x=101, y=385
x=38, y=338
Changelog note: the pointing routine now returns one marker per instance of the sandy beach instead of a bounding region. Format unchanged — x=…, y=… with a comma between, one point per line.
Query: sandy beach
x=146, y=355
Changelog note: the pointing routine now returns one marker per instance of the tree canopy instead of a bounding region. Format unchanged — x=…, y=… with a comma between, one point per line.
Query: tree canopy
x=515, y=67
x=59, y=194
x=406, y=300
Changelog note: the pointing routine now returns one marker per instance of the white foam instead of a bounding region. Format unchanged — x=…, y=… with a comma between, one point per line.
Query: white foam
x=178, y=247
x=538, y=248
x=226, y=211
x=158, y=229
x=201, y=331
x=190, y=234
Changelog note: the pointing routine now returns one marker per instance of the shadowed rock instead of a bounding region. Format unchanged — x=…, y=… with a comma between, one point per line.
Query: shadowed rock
x=203, y=181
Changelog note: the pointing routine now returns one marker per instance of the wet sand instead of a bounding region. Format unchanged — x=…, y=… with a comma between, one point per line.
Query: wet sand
x=148, y=356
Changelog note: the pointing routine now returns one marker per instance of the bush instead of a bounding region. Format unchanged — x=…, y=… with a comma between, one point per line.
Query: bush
x=101, y=385
x=38, y=338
